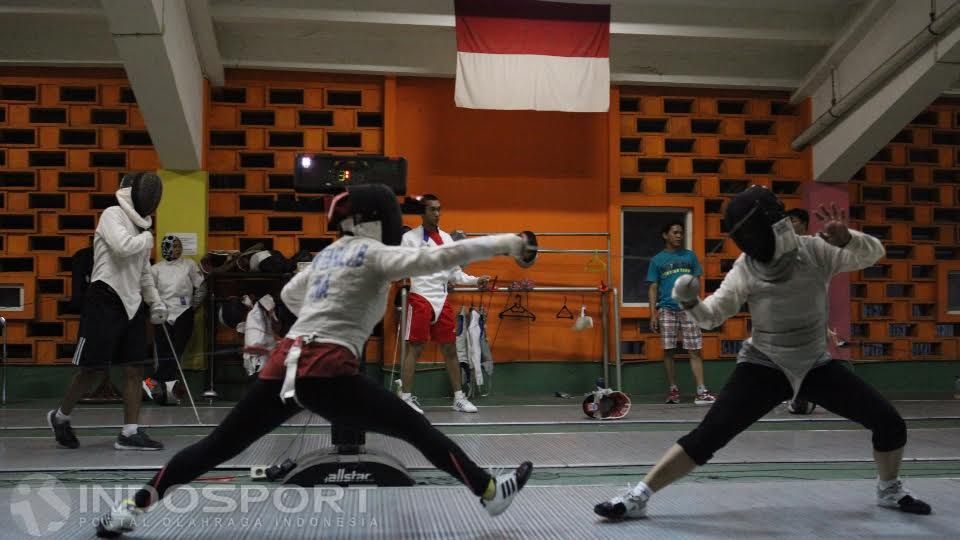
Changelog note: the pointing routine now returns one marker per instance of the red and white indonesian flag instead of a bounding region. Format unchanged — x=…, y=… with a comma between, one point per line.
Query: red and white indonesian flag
x=529, y=54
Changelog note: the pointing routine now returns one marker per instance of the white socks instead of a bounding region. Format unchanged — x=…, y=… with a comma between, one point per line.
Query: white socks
x=62, y=417
x=170, y=385
x=129, y=430
x=642, y=491
x=884, y=484
x=405, y=395
x=458, y=395
x=701, y=389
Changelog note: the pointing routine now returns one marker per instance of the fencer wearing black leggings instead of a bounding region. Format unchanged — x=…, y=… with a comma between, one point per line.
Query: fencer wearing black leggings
x=338, y=301
x=261, y=411
x=784, y=278
x=754, y=390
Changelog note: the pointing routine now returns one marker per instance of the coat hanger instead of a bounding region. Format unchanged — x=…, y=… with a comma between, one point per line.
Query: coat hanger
x=595, y=263
x=518, y=311
x=564, y=313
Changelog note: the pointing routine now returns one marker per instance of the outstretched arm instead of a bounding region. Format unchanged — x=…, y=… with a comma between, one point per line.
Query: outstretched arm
x=398, y=262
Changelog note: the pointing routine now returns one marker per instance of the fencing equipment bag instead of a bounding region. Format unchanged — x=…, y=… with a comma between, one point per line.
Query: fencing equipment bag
x=81, y=268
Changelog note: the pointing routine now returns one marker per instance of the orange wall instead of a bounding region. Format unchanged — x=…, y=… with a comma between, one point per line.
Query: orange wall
x=507, y=171
x=496, y=171
x=49, y=209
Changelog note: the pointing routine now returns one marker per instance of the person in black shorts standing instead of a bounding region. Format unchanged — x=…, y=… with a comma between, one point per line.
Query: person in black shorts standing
x=115, y=310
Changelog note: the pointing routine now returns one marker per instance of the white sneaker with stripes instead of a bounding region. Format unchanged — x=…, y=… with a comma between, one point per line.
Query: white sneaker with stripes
x=508, y=485
x=412, y=401
x=462, y=404
x=121, y=519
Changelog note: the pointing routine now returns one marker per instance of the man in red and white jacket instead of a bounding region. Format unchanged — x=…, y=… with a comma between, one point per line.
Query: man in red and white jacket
x=430, y=316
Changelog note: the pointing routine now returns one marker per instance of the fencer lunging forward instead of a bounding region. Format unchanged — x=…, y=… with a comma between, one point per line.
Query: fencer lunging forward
x=338, y=301
x=784, y=279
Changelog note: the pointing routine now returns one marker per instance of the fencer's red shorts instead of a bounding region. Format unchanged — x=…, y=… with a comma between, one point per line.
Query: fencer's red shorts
x=420, y=325
x=316, y=360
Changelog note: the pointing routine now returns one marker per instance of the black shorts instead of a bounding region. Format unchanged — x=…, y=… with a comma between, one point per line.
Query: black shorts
x=106, y=336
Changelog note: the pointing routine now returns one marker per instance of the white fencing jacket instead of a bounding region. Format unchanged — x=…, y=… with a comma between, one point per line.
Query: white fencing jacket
x=176, y=282
x=343, y=294
x=121, y=254
x=790, y=316
x=433, y=287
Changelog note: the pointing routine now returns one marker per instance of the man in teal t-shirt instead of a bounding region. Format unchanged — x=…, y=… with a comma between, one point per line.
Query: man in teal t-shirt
x=667, y=318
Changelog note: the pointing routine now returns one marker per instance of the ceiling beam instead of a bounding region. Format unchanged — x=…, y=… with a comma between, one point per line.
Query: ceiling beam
x=51, y=10
x=850, y=37
x=862, y=121
x=690, y=81
x=198, y=11
x=155, y=42
x=260, y=15
x=703, y=81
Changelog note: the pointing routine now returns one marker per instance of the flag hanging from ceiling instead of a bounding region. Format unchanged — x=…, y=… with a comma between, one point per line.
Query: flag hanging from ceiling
x=530, y=54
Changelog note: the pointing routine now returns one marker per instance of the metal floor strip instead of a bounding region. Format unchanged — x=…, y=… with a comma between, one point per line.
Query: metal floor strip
x=498, y=450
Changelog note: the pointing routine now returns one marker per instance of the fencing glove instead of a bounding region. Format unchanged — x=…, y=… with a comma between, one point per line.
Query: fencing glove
x=158, y=313
x=686, y=291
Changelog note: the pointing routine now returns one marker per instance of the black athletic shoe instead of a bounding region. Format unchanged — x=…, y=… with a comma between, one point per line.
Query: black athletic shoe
x=138, y=441
x=898, y=497
x=63, y=431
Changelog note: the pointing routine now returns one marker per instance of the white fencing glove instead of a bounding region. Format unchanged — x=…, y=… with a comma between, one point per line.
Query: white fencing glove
x=199, y=294
x=686, y=291
x=158, y=313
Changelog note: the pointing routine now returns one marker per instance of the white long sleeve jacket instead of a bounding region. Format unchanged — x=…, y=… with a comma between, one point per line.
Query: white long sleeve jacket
x=433, y=287
x=121, y=254
x=790, y=316
x=176, y=283
x=343, y=294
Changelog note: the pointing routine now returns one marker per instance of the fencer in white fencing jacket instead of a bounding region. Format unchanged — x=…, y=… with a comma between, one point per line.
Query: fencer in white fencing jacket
x=433, y=287
x=792, y=340
x=121, y=254
x=178, y=282
x=343, y=294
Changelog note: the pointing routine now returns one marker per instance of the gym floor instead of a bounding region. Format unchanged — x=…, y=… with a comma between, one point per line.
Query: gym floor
x=788, y=476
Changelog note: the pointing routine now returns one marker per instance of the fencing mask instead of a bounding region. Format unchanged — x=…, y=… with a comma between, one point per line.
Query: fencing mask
x=170, y=248
x=756, y=221
x=606, y=404
x=232, y=313
x=146, y=189
x=368, y=210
